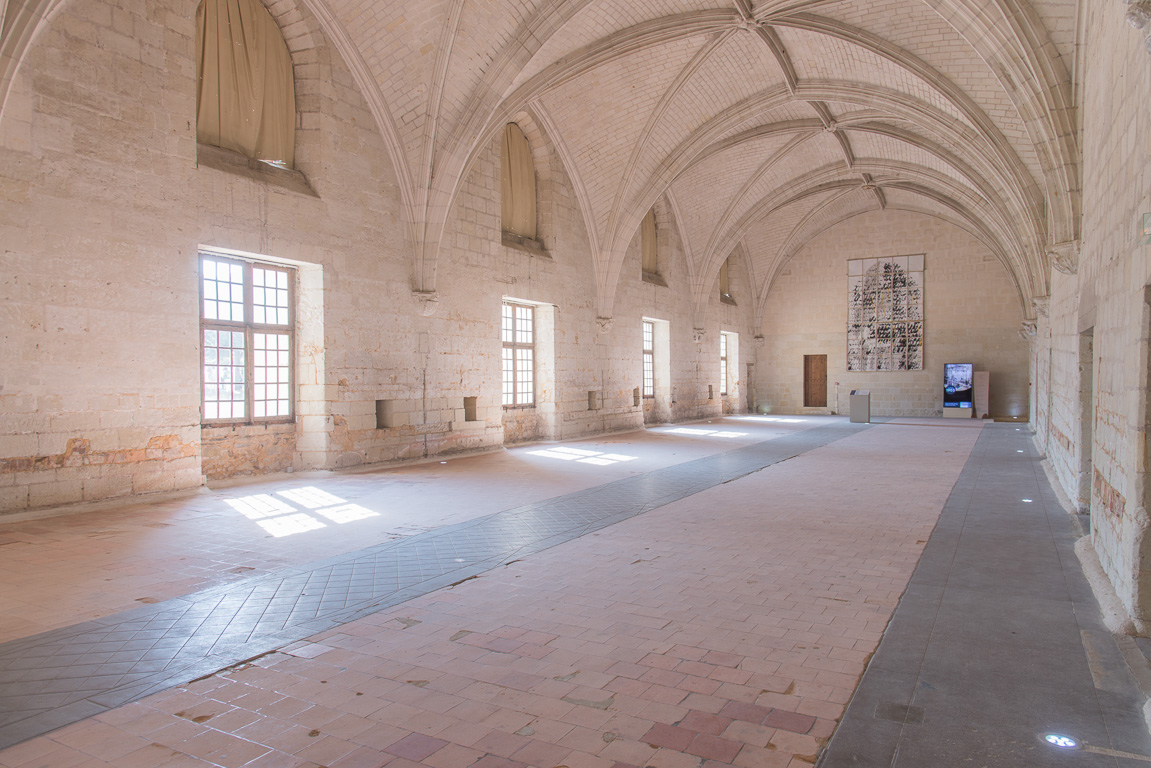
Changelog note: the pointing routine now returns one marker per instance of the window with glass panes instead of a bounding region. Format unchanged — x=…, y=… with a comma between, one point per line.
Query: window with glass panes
x=648, y=359
x=246, y=340
x=723, y=363
x=518, y=333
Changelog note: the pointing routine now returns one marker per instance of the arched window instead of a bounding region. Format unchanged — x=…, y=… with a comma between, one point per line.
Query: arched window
x=725, y=282
x=648, y=249
x=518, y=174
x=245, y=98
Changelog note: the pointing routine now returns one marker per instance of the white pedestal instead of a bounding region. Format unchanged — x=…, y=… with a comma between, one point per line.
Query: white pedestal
x=958, y=413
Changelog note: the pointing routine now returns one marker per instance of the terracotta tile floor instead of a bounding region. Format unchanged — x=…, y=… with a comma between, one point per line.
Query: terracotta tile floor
x=726, y=628
x=57, y=571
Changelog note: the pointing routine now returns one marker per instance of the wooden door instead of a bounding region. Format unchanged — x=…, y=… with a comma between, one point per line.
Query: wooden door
x=815, y=381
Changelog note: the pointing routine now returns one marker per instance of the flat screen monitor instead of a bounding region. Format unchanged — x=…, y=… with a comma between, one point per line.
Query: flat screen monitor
x=958, y=385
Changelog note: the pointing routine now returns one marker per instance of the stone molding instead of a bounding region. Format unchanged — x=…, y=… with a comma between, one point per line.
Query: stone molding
x=1065, y=257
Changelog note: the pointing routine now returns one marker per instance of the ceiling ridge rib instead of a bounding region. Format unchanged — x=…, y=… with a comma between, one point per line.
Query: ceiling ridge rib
x=775, y=45
x=439, y=80
x=370, y=90
x=976, y=178
x=673, y=203
x=698, y=60
x=829, y=125
x=911, y=63
x=1051, y=103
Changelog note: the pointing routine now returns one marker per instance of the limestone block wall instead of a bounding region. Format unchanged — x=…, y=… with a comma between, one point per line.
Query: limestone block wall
x=106, y=200
x=1108, y=295
x=972, y=314
x=1063, y=431
x=97, y=242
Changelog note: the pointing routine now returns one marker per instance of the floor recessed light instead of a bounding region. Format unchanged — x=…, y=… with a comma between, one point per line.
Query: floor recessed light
x=1027, y=501
x=1019, y=451
x=1060, y=741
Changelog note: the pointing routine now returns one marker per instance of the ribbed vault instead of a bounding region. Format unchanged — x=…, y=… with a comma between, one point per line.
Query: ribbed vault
x=760, y=122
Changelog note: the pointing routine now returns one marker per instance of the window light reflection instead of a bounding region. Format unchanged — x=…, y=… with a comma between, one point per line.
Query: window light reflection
x=347, y=513
x=311, y=497
x=260, y=506
x=705, y=432
x=280, y=518
x=286, y=525
x=583, y=456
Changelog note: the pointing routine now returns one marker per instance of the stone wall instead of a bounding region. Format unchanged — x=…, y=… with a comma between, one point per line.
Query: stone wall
x=106, y=200
x=972, y=314
x=1106, y=296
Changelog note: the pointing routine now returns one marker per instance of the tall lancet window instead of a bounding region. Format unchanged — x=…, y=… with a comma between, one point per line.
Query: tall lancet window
x=518, y=174
x=245, y=98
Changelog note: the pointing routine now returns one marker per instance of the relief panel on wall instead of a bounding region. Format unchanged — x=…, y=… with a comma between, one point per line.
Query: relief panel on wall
x=885, y=314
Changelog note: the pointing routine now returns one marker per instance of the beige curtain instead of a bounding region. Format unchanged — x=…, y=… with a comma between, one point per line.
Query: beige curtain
x=518, y=174
x=647, y=244
x=246, y=98
x=724, y=280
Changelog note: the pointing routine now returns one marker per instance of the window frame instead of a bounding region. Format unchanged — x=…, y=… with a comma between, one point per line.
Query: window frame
x=249, y=328
x=516, y=347
x=648, y=388
x=723, y=367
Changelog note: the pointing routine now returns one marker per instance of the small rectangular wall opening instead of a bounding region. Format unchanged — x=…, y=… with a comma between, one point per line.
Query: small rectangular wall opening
x=636, y=397
x=592, y=400
x=470, y=409
x=710, y=391
x=383, y=414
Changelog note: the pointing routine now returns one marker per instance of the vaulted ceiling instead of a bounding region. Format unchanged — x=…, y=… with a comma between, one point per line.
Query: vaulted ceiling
x=761, y=122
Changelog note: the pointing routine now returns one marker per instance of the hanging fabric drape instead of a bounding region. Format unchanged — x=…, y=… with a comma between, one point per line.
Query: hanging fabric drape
x=724, y=280
x=246, y=96
x=650, y=257
x=518, y=174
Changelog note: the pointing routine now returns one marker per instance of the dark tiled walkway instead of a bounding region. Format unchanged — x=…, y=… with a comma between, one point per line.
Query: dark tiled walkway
x=997, y=641
x=62, y=676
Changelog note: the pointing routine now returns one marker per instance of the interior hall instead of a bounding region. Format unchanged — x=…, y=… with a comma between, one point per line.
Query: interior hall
x=575, y=383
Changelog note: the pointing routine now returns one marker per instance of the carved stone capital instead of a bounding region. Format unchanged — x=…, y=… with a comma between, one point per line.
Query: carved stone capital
x=1065, y=257
x=698, y=335
x=429, y=302
x=1029, y=331
x=1138, y=13
x=604, y=324
x=1042, y=305
x=759, y=339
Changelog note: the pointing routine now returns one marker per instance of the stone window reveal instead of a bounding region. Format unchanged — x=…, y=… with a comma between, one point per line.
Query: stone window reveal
x=885, y=314
x=723, y=364
x=246, y=325
x=648, y=359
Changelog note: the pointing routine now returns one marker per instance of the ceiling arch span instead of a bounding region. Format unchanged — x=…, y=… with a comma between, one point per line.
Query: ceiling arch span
x=800, y=237
x=710, y=138
x=1011, y=39
x=658, y=113
x=925, y=182
x=1033, y=235
x=966, y=106
x=490, y=108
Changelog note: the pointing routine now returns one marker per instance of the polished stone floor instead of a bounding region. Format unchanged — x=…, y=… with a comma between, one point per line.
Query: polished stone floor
x=703, y=594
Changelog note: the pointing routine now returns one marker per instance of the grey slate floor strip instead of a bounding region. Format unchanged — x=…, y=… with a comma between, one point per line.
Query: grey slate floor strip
x=65, y=675
x=989, y=647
